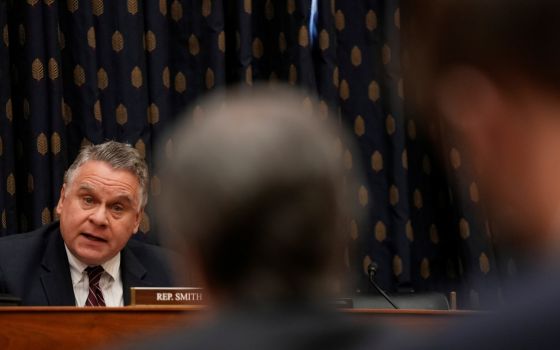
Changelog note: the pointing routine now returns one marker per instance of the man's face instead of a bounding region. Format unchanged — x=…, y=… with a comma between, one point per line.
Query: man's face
x=99, y=211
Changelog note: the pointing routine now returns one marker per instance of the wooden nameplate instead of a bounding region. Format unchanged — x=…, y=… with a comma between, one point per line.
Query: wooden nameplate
x=192, y=296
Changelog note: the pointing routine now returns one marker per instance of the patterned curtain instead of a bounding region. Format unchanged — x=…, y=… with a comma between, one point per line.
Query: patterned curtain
x=74, y=72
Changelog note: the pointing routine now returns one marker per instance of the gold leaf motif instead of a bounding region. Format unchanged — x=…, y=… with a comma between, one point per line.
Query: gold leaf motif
x=373, y=91
x=393, y=195
x=132, y=6
x=409, y=231
x=464, y=228
x=136, y=77
x=72, y=5
x=324, y=40
x=356, y=56
x=117, y=41
x=371, y=20
x=377, y=161
x=37, y=71
x=209, y=78
x=397, y=265
x=66, y=112
x=11, y=184
x=363, y=196
x=335, y=76
x=42, y=144
x=194, y=46
x=155, y=186
x=249, y=75
x=386, y=54
x=9, y=110
x=404, y=159
x=291, y=6
x=53, y=69
x=292, y=75
x=180, y=83
x=165, y=77
x=79, y=75
x=222, y=41
x=282, y=43
x=4, y=223
x=91, y=37
x=163, y=7
x=30, y=183
x=141, y=148
x=474, y=194
x=418, y=201
x=153, y=114
x=455, y=158
x=102, y=79
x=97, y=111
x=269, y=10
x=6, y=36
x=380, y=231
x=55, y=143
x=303, y=36
x=339, y=21
x=145, y=223
x=425, y=269
x=247, y=6
x=206, y=8
x=258, y=48
x=411, y=128
x=21, y=33
x=46, y=216
x=344, y=90
x=434, y=236
x=97, y=7
x=359, y=126
x=353, y=230
x=177, y=10
x=151, y=41
x=348, y=160
x=121, y=114
x=398, y=18
x=48, y=2
x=365, y=264
x=32, y=2
x=390, y=125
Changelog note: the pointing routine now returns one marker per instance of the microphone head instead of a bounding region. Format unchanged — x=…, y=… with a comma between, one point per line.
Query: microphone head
x=372, y=268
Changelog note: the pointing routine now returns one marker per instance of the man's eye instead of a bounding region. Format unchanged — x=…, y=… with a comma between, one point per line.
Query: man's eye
x=88, y=200
x=118, y=208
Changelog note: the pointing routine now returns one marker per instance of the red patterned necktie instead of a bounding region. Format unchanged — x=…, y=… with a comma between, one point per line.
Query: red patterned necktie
x=95, y=297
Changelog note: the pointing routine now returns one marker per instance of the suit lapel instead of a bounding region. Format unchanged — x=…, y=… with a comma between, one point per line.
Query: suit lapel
x=55, y=279
x=133, y=273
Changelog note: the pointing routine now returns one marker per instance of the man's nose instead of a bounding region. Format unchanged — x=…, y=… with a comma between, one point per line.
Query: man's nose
x=99, y=216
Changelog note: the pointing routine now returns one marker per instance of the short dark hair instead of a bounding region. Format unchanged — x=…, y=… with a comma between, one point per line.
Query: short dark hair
x=509, y=40
x=255, y=188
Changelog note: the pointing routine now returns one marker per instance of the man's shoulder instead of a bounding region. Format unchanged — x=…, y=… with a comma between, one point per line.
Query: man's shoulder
x=35, y=237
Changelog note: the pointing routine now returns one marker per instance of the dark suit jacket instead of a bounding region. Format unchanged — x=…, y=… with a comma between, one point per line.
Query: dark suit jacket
x=34, y=267
x=293, y=327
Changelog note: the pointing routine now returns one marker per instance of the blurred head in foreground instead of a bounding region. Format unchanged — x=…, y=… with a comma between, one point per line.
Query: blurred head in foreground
x=255, y=197
x=491, y=70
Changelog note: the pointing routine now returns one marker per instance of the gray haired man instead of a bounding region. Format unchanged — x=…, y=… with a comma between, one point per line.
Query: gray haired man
x=87, y=258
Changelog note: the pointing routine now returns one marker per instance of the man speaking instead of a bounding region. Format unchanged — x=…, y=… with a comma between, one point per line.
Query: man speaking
x=86, y=258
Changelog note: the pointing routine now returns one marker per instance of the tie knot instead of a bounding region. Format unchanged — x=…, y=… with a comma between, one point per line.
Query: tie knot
x=94, y=273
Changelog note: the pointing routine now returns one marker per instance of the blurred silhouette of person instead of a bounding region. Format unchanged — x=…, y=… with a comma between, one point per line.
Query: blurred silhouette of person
x=254, y=197
x=490, y=70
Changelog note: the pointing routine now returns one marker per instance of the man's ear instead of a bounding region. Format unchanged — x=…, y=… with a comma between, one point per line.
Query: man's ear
x=468, y=100
x=138, y=218
x=60, y=203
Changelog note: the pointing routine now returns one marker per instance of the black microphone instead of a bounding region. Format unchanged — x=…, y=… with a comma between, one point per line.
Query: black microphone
x=372, y=270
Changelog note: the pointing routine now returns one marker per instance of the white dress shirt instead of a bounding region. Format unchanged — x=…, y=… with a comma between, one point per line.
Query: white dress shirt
x=110, y=282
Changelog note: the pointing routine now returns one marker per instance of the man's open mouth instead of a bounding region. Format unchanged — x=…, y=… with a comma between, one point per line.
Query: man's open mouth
x=93, y=238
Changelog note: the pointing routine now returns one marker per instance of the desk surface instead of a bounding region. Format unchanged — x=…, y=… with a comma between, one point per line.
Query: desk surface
x=80, y=328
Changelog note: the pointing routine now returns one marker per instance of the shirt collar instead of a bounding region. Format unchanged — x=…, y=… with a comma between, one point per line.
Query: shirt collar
x=77, y=268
